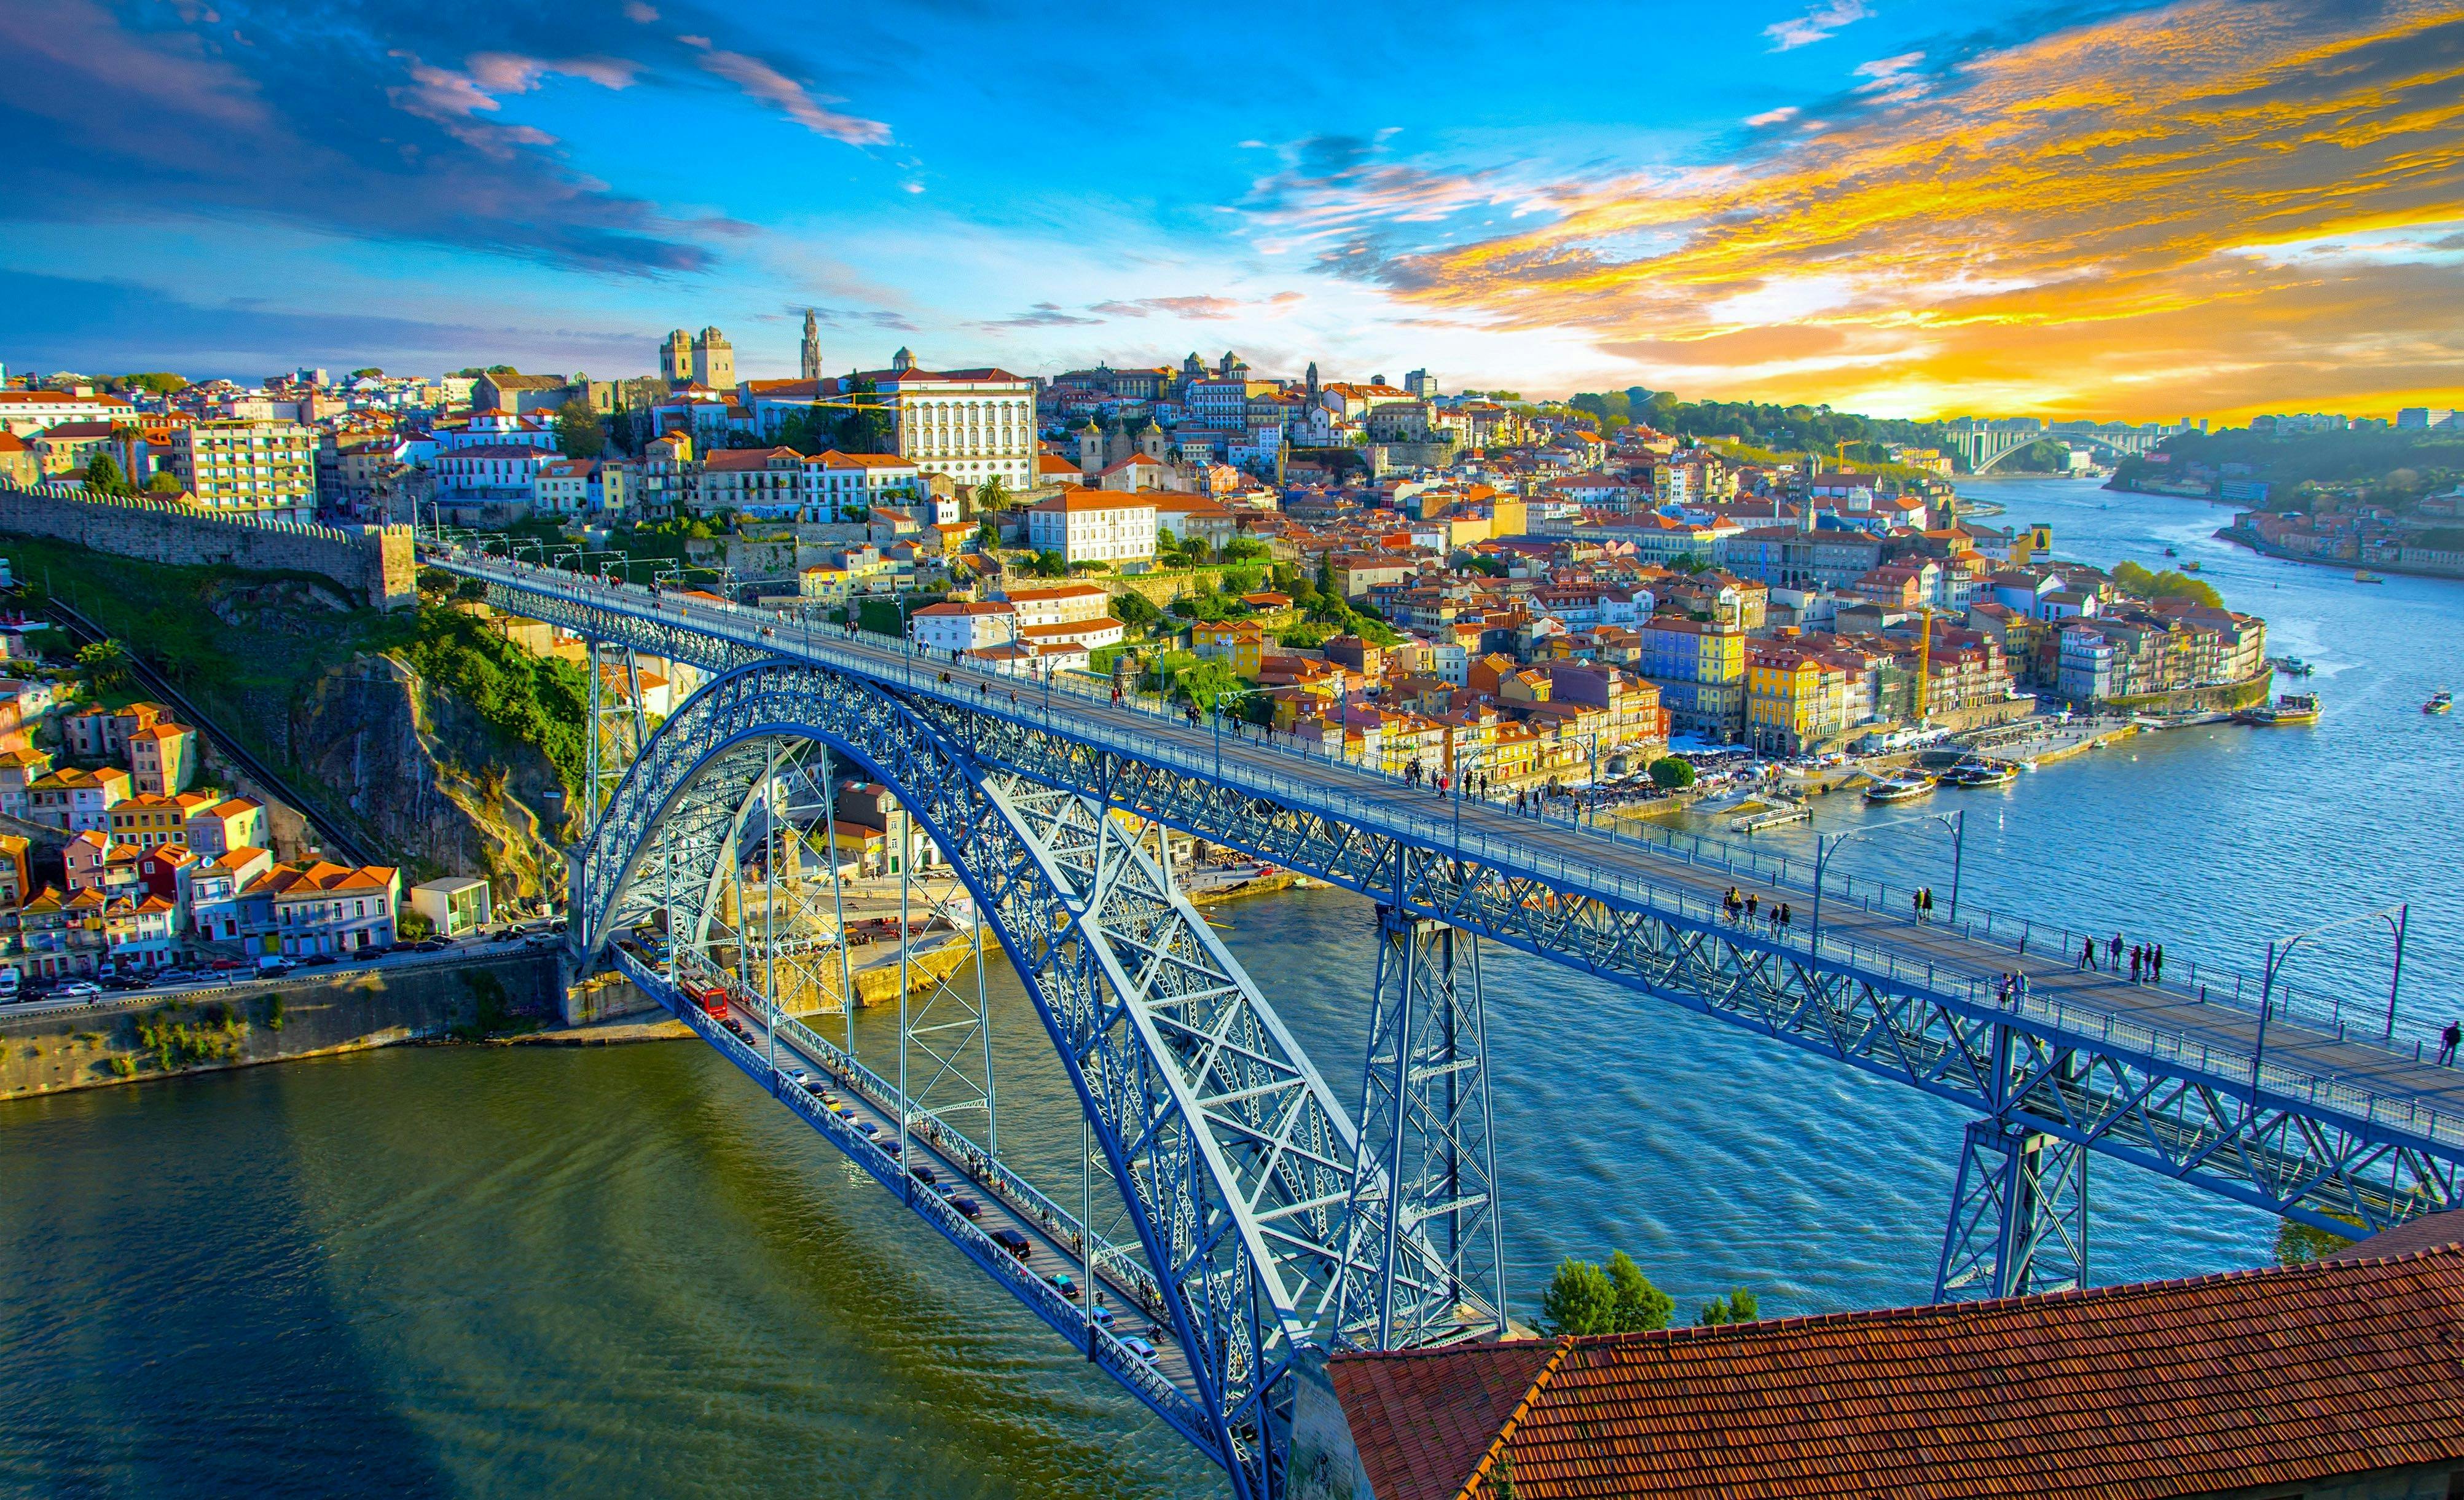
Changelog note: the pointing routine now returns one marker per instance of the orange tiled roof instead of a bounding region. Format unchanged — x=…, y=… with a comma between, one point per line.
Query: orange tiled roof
x=2240, y=1380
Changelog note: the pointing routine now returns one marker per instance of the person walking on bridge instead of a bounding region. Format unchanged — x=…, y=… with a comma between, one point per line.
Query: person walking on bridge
x=2114, y=953
x=2447, y=1041
x=2156, y=964
x=2087, y=953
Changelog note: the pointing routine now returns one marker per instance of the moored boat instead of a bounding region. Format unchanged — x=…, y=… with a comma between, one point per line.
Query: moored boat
x=2291, y=708
x=1898, y=788
x=1982, y=772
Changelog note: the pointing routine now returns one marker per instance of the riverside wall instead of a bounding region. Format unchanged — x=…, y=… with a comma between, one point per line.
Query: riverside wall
x=375, y=564
x=52, y=1049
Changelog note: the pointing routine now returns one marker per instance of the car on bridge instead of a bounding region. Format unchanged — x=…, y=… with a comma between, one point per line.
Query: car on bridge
x=967, y=1207
x=1065, y=1284
x=923, y=1173
x=1139, y=1348
x=1017, y=1243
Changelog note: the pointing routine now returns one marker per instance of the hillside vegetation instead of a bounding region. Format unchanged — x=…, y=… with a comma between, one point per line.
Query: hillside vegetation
x=444, y=746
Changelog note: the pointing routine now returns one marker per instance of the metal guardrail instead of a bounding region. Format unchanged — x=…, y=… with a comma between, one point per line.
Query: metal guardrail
x=894, y=661
x=1068, y=1319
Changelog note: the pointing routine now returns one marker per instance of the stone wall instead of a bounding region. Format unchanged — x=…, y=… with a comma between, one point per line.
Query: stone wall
x=84, y=1046
x=375, y=564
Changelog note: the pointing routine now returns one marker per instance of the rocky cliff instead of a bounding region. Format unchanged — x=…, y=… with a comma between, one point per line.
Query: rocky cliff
x=433, y=785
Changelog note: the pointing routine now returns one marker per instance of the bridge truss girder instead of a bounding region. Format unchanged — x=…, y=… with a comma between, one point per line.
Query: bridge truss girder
x=1233, y=1159
x=2130, y=1093
x=2115, y=1094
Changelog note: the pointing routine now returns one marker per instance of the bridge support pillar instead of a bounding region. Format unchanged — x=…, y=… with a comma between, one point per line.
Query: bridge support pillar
x=618, y=729
x=2018, y=1217
x=1424, y=1262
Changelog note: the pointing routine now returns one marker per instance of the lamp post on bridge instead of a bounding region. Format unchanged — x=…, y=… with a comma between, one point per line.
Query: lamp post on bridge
x=2279, y=952
x=1825, y=845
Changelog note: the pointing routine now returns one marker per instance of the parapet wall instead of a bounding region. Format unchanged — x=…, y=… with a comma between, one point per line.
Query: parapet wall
x=375, y=564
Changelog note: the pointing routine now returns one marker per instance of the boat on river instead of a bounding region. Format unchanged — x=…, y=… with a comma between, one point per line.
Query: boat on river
x=2366, y=577
x=2189, y=567
x=2291, y=708
x=2170, y=553
x=2294, y=666
x=1981, y=771
x=1898, y=788
x=2440, y=702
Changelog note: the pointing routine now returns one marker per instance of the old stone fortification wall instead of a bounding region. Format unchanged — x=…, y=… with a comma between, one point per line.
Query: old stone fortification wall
x=374, y=563
x=82, y=1046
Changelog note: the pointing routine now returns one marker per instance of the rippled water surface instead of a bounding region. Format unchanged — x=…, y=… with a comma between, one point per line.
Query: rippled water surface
x=621, y=1271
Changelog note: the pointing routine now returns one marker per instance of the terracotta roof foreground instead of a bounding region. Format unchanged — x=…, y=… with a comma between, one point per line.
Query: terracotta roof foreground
x=2248, y=1378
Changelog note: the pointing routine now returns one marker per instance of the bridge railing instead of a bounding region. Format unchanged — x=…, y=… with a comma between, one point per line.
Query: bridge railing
x=1045, y=704
x=1071, y=1319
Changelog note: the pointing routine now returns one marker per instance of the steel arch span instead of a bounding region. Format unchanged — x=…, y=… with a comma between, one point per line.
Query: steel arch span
x=1233, y=1159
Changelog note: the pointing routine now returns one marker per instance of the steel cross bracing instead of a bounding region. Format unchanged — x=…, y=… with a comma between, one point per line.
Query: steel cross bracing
x=2303, y=1139
x=1233, y=1159
x=1427, y=1259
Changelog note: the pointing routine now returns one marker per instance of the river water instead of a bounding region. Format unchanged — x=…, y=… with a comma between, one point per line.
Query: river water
x=623, y=1273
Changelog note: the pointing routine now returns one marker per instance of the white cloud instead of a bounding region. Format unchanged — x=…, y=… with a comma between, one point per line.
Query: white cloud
x=1773, y=117
x=1816, y=24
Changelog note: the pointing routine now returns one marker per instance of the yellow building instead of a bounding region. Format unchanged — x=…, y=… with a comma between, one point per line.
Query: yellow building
x=1794, y=700
x=1236, y=643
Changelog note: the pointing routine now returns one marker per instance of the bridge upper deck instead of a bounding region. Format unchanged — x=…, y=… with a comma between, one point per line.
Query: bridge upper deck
x=2358, y=1084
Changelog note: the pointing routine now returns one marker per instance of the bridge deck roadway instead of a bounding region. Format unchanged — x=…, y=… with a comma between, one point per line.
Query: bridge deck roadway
x=2346, y=1077
x=863, y=1099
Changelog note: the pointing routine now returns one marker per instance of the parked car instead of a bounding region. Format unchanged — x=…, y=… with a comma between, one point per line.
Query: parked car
x=76, y=989
x=319, y=961
x=226, y=965
x=1015, y=1243
x=274, y=964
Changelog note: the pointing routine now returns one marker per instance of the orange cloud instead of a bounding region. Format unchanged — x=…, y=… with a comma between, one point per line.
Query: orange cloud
x=2208, y=208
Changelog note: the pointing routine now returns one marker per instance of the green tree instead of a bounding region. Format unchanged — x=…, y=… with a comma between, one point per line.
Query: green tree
x=987, y=535
x=1580, y=1300
x=103, y=475
x=104, y=663
x=1738, y=1307
x=1136, y=610
x=1326, y=575
x=2299, y=1244
x=162, y=382
x=1675, y=773
x=1245, y=549
x=368, y=372
x=1640, y=1306
x=1046, y=563
x=580, y=432
x=991, y=496
x=866, y=429
x=162, y=482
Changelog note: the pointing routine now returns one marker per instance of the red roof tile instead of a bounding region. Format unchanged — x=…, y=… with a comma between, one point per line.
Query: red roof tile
x=2279, y=1377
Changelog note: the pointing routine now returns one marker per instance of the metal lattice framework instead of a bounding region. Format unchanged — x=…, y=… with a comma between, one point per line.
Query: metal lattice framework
x=1427, y=1257
x=2050, y=1077
x=1231, y=1155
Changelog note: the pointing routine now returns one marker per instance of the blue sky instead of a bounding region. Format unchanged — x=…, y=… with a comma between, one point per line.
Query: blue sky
x=1884, y=205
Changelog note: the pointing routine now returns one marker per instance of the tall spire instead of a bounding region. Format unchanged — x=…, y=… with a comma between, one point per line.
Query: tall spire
x=809, y=367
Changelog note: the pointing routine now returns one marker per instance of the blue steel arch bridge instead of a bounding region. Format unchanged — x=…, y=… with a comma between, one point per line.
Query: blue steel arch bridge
x=1260, y=1210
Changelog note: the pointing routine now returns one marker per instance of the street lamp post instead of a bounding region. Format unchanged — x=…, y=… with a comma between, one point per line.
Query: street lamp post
x=1825, y=845
x=2280, y=951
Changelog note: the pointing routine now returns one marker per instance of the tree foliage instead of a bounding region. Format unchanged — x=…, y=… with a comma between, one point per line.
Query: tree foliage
x=1740, y=1306
x=1790, y=427
x=2134, y=580
x=580, y=432
x=1586, y=1298
x=103, y=475
x=1675, y=773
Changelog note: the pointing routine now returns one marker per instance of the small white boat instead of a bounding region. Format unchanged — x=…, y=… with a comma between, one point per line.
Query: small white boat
x=1900, y=789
